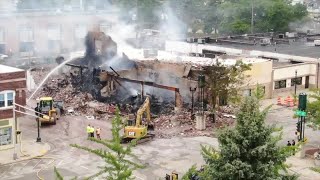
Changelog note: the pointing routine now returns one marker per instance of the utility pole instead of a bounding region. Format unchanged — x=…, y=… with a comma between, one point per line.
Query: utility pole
x=295, y=83
x=15, y=156
x=252, y=15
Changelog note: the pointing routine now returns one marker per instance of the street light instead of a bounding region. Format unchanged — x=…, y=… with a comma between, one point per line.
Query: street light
x=38, y=122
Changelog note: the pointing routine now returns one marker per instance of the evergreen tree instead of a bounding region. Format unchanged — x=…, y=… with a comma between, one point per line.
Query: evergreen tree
x=117, y=167
x=249, y=151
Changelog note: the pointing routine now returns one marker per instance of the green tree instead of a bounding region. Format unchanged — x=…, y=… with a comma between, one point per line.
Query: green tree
x=117, y=167
x=269, y=15
x=313, y=107
x=248, y=151
x=224, y=81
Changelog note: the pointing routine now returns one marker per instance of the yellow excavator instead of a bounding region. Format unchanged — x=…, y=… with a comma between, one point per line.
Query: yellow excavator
x=50, y=110
x=139, y=128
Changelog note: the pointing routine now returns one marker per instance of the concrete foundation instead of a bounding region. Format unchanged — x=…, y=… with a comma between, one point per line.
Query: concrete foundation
x=200, y=122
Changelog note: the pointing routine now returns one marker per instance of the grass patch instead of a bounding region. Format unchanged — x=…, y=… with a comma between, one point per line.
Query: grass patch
x=315, y=169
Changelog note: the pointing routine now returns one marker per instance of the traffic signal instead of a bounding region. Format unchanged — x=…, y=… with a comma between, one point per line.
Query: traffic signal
x=298, y=127
x=302, y=101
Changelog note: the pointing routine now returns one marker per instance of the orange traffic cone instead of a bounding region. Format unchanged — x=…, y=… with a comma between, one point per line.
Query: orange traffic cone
x=291, y=103
x=285, y=101
x=279, y=101
x=288, y=101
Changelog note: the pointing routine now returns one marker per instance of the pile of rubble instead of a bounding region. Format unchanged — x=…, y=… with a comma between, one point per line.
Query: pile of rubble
x=75, y=102
x=182, y=124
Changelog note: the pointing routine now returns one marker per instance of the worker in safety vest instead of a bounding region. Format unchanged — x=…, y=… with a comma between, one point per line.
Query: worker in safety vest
x=92, y=132
x=89, y=130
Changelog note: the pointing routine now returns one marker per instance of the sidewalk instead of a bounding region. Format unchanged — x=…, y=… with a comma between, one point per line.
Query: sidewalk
x=30, y=149
x=301, y=166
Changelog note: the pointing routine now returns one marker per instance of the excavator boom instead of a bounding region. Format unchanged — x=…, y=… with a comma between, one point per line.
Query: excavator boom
x=145, y=108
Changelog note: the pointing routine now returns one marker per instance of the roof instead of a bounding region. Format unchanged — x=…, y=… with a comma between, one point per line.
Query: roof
x=168, y=57
x=295, y=48
x=8, y=69
x=296, y=54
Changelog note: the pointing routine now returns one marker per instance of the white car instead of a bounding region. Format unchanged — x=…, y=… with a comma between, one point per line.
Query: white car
x=3, y=56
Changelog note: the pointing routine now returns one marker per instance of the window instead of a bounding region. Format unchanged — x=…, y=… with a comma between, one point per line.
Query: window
x=297, y=81
x=5, y=136
x=26, y=46
x=9, y=99
x=26, y=34
x=2, y=101
x=6, y=99
x=280, y=84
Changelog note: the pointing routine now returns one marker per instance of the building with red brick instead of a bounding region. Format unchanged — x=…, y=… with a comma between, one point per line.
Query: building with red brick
x=13, y=89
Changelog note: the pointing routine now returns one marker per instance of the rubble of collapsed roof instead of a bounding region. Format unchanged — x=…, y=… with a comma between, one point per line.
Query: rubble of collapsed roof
x=92, y=88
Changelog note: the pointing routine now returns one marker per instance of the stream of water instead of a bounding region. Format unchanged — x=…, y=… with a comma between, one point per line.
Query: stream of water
x=73, y=55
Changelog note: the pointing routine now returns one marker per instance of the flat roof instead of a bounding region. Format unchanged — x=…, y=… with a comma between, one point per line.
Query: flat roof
x=169, y=57
x=8, y=69
x=298, y=48
x=245, y=50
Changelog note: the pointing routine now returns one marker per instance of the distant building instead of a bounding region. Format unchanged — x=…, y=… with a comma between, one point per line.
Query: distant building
x=28, y=35
x=12, y=90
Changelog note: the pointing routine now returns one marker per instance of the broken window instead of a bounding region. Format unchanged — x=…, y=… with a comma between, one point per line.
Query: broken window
x=297, y=81
x=280, y=84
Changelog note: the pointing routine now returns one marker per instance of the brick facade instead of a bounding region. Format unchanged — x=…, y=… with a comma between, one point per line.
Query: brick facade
x=15, y=81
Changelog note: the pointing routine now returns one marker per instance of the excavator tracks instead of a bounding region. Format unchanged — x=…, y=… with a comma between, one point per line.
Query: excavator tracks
x=145, y=139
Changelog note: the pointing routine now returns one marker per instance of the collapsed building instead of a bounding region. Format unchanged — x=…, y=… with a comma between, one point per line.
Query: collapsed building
x=166, y=76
